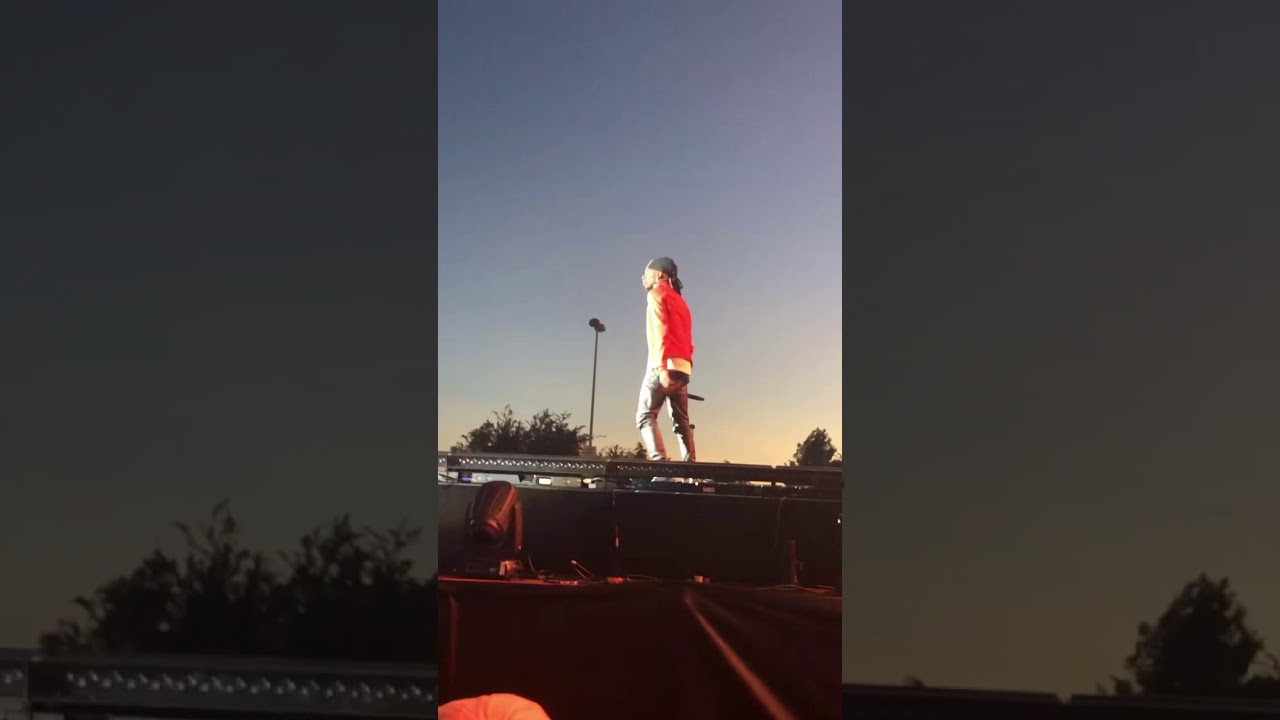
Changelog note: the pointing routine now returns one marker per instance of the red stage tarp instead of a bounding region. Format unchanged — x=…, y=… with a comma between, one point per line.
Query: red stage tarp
x=643, y=649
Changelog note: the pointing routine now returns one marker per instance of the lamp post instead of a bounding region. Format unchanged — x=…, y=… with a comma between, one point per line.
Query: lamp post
x=595, y=360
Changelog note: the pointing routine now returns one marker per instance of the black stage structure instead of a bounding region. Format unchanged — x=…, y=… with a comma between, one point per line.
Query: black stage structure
x=740, y=523
x=650, y=599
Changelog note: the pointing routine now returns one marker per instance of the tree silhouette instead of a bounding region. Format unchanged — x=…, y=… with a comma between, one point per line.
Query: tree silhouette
x=502, y=434
x=1200, y=646
x=547, y=433
x=344, y=594
x=617, y=452
x=817, y=450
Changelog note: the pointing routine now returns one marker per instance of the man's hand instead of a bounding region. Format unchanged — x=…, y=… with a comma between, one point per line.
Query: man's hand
x=666, y=382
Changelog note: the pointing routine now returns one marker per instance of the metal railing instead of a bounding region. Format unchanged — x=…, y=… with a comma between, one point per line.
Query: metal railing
x=205, y=687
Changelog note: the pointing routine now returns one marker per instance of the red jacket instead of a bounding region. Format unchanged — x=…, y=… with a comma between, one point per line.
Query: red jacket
x=670, y=330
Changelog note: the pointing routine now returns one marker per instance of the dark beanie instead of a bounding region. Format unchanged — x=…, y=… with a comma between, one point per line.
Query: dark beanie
x=667, y=266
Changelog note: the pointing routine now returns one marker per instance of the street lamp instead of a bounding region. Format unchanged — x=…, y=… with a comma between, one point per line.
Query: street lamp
x=595, y=360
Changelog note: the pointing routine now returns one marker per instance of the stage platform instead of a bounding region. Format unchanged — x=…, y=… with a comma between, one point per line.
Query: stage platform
x=671, y=536
x=643, y=649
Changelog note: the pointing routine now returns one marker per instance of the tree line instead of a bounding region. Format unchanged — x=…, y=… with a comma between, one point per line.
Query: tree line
x=549, y=433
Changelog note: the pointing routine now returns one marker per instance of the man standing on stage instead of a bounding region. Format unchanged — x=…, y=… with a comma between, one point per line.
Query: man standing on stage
x=666, y=380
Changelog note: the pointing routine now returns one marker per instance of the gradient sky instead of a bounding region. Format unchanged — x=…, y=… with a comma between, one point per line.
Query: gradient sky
x=1064, y=310
x=214, y=232
x=577, y=141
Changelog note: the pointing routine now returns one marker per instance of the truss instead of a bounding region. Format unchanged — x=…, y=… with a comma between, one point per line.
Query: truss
x=214, y=687
x=825, y=479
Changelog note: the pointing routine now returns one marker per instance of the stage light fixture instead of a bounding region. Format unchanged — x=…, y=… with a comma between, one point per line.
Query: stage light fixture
x=494, y=532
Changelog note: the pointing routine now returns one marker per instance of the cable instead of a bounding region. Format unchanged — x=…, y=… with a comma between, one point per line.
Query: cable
x=617, y=543
x=811, y=589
